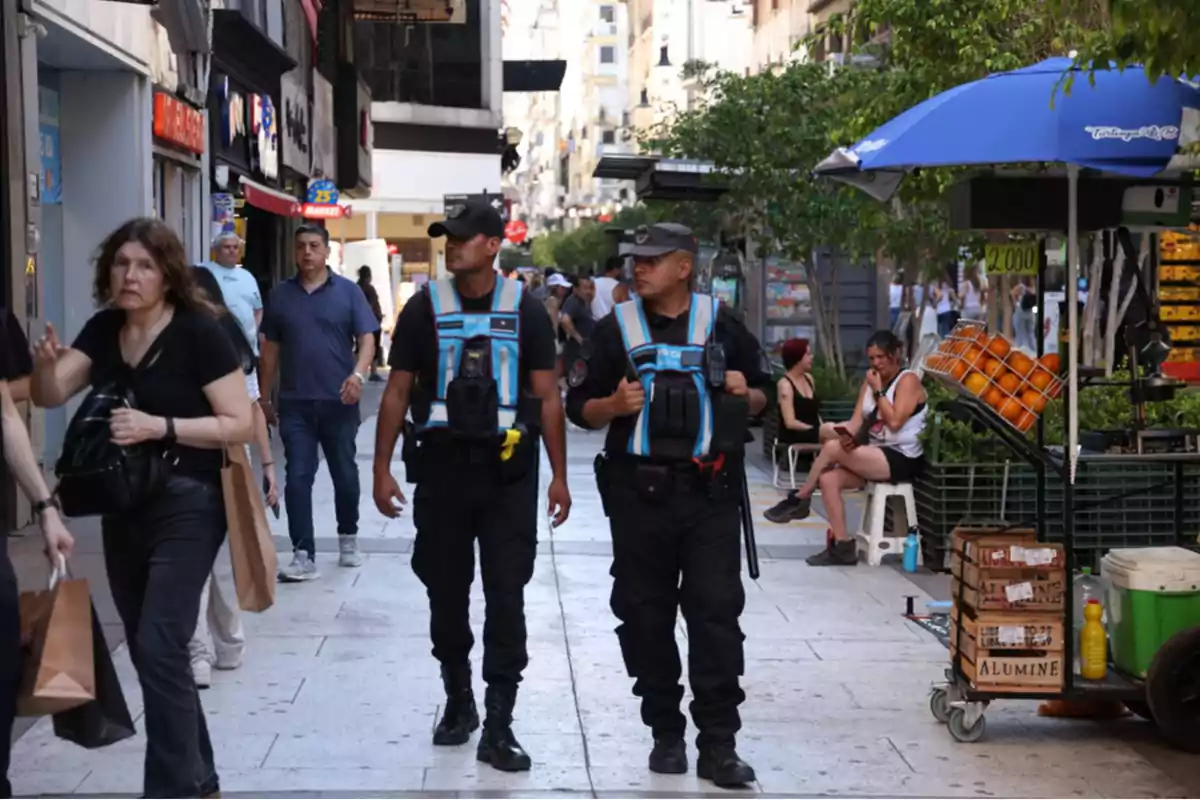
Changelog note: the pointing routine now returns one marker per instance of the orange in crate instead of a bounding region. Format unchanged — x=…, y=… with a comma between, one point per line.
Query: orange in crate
x=1051, y=362
x=1034, y=400
x=993, y=397
x=1025, y=421
x=1040, y=379
x=1020, y=363
x=991, y=367
x=959, y=370
x=972, y=354
x=1009, y=382
x=976, y=383
x=1011, y=410
x=998, y=346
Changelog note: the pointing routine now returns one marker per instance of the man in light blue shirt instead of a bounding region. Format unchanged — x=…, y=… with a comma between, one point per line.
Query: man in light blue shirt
x=239, y=286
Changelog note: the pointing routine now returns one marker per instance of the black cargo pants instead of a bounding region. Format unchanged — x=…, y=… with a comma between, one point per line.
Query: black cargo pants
x=680, y=551
x=10, y=663
x=452, y=508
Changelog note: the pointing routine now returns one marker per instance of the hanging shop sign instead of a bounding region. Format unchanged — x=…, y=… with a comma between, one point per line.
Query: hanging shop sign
x=178, y=123
x=296, y=123
x=50, y=179
x=516, y=231
x=1012, y=259
x=321, y=201
x=264, y=136
x=224, y=213
x=232, y=110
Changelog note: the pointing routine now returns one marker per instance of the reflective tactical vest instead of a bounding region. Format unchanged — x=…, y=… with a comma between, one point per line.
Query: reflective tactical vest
x=677, y=418
x=492, y=342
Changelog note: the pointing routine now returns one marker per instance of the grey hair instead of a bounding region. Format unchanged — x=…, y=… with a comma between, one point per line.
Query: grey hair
x=223, y=235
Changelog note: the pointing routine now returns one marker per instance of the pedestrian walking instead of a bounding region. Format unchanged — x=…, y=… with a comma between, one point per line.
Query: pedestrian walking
x=364, y=283
x=158, y=335
x=19, y=463
x=220, y=640
x=474, y=361
x=606, y=283
x=316, y=323
x=668, y=482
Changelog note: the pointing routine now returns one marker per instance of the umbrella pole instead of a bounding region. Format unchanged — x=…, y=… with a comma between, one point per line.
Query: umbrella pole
x=1072, y=319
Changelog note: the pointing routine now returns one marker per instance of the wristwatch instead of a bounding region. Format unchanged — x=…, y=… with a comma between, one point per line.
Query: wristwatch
x=42, y=506
x=360, y=377
x=880, y=394
x=169, y=437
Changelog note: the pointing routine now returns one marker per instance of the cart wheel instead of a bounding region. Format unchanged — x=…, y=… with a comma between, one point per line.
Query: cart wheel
x=1141, y=708
x=939, y=704
x=1173, y=690
x=958, y=729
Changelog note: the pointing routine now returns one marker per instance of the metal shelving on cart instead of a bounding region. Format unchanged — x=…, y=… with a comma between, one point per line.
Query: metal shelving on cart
x=1038, y=646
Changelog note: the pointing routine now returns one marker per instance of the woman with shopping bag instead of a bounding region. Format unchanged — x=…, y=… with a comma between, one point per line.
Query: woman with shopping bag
x=157, y=347
x=20, y=461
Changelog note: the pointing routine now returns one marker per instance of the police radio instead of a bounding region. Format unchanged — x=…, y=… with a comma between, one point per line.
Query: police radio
x=714, y=364
x=472, y=410
x=731, y=414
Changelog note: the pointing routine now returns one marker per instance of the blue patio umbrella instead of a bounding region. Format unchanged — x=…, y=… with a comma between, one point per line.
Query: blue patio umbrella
x=1123, y=124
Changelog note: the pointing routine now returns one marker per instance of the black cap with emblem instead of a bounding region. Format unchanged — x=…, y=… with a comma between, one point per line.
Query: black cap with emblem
x=467, y=221
x=652, y=241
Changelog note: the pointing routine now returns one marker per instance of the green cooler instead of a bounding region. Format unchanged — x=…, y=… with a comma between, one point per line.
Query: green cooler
x=1153, y=593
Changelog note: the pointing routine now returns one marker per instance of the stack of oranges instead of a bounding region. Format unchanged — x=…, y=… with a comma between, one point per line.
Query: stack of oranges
x=1011, y=382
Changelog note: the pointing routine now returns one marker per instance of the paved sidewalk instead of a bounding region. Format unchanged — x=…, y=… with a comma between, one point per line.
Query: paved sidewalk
x=339, y=694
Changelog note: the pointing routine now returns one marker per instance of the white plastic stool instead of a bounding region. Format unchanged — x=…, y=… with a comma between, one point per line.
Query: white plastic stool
x=871, y=534
x=793, y=455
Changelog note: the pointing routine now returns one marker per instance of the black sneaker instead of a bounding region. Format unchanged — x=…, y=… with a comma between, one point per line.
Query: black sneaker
x=842, y=553
x=722, y=766
x=788, y=509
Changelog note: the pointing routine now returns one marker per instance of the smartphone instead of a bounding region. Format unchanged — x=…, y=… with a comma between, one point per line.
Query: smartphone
x=841, y=430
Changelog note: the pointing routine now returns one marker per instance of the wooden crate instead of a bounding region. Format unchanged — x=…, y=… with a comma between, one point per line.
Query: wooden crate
x=965, y=542
x=1009, y=652
x=1006, y=589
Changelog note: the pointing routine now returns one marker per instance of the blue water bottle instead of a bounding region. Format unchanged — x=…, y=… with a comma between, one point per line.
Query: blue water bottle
x=912, y=548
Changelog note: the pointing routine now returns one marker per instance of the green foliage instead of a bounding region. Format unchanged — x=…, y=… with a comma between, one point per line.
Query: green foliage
x=831, y=386
x=586, y=248
x=1159, y=34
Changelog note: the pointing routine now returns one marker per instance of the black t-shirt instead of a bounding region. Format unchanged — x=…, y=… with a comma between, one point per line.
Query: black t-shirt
x=580, y=314
x=195, y=351
x=414, y=343
x=607, y=363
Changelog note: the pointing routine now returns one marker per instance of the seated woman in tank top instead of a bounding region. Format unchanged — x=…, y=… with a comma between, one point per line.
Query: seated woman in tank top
x=880, y=443
x=799, y=416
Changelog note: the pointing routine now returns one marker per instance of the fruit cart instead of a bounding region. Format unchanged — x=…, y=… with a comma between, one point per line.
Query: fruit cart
x=1012, y=629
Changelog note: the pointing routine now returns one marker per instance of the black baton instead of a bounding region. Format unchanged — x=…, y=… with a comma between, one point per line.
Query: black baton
x=748, y=526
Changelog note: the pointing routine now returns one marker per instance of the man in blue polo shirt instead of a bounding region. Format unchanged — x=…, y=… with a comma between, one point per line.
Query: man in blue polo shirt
x=314, y=323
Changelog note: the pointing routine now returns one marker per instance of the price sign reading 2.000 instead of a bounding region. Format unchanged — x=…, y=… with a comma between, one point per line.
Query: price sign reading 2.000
x=1012, y=259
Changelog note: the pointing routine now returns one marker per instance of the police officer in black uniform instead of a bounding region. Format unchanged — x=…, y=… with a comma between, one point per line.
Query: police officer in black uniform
x=473, y=357
x=676, y=377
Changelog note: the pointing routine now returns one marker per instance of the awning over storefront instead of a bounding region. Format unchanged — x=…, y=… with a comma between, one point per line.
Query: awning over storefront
x=533, y=76
x=268, y=199
x=658, y=178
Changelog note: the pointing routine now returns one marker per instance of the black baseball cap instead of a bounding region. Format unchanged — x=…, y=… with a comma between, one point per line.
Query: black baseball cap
x=652, y=241
x=468, y=221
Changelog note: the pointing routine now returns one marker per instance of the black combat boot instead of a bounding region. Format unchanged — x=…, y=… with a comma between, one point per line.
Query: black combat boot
x=497, y=745
x=720, y=764
x=669, y=756
x=461, y=718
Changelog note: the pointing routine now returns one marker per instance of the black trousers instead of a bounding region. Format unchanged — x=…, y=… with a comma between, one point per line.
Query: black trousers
x=680, y=552
x=451, y=510
x=158, y=559
x=10, y=663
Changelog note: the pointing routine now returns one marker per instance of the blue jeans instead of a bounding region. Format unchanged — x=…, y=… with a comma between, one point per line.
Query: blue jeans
x=331, y=424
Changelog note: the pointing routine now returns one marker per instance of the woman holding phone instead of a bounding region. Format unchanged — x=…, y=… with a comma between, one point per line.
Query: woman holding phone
x=891, y=412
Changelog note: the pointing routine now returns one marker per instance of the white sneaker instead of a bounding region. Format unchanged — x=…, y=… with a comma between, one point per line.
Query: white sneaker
x=348, y=555
x=202, y=673
x=301, y=569
x=228, y=660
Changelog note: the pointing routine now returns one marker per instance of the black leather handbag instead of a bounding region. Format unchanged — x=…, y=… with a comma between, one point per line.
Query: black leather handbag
x=97, y=477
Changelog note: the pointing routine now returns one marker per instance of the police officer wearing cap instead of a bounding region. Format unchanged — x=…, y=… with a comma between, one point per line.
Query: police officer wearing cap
x=675, y=377
x=473, y=359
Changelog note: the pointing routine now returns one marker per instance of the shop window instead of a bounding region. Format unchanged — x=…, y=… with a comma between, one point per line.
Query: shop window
x=607, y=13
x=608, y=137
x=608, y=55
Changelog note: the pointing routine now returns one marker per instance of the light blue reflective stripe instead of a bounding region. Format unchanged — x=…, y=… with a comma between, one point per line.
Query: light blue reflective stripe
x=438, y=417
x=704, y=441
x=507, y=295
x=444, y=297
x=629, y=320
x=701, y=317
x=639, y=437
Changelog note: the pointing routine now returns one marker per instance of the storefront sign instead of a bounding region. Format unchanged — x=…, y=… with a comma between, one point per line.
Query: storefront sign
x=322, y=192
x=324, y=211
x=516, y=231
x=1012, y=259
x=264, y=136
x=50, y=179
x=178, y=123
x=224, y=212
x=297, y=123
x=232, y=107
x=324, y=139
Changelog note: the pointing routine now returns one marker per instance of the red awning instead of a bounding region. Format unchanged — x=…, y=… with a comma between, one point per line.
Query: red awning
x=271, y=200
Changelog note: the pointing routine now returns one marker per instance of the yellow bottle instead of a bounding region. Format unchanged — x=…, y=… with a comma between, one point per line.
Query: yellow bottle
x=1093, y=644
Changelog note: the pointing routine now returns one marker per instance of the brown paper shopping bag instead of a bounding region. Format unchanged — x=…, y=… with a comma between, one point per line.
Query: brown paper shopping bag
x=56, y=634
x=250, y=544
